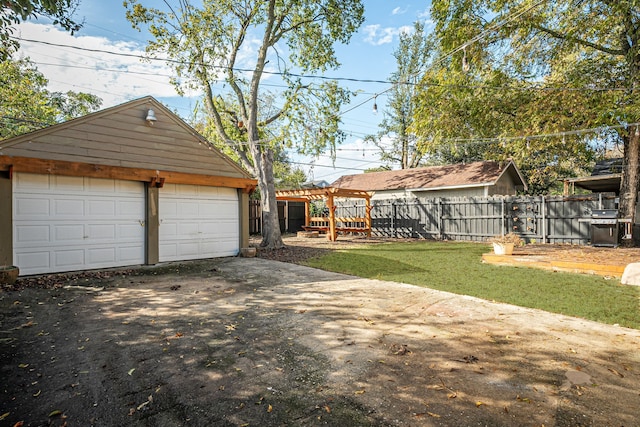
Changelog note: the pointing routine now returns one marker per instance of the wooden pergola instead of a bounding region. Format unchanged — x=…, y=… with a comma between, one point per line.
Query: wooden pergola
x=331, y=225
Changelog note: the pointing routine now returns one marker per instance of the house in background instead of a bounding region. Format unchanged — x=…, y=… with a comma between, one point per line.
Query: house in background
x=605, y=178
x=478, y=179
x=128, y=185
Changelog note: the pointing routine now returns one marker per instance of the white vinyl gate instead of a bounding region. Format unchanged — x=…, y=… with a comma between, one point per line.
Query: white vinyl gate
x=73, y=223
x=198, y=222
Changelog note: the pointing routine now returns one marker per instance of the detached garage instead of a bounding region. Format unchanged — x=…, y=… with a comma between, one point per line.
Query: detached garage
x=118, y=188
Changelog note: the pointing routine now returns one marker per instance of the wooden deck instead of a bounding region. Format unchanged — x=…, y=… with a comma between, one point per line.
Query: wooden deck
x=608, y=262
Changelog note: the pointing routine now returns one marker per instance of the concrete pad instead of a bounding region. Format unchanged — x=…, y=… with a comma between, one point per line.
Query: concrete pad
x=631, y=274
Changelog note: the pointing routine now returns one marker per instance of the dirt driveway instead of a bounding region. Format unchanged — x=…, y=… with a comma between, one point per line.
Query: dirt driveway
x=255, y=342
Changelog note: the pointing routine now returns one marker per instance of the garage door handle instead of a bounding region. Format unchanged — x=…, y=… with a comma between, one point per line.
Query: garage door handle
x=141, y=223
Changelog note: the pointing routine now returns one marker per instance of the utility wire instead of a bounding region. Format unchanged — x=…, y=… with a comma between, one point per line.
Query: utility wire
x=452, y=52
x=311, y=76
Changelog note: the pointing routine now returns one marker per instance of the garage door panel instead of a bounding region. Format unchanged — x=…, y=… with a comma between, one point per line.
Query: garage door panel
x=188, y=209
x=98, y=185
x=198, y=222
x=70, y=183
x=169, y=208
x=130, y=232
x=29, y=234
x=87, y=226
x=36, y=260
x=69, y=258
x=168, y=251
x=68, y=208
x=30, y=181
x=68, y=233
x=101, y=255
x=100, y=208
x=32, y=208
x=127, y=208
x=102, y=231
x=129, y=252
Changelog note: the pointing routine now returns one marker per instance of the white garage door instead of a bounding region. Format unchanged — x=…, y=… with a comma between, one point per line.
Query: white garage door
x=198, y=222
x=74, y=223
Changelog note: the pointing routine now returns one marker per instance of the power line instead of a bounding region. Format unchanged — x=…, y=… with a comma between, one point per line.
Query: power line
x=452, y=52
x=174, y=61
x=311, y=76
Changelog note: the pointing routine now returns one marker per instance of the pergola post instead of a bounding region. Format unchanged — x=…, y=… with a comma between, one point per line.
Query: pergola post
x=367, y=217
x=332, y=235
x=307, y=212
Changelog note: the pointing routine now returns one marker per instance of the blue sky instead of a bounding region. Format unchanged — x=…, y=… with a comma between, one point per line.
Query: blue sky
x=116, y=79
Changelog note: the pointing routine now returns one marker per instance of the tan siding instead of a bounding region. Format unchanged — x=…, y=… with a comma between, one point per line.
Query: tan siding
x=504, y=186
x=123, y=138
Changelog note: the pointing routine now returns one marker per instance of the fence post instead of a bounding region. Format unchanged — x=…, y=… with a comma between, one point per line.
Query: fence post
x=440, y=223
x=544, y=220
x=393, y=219
x=503, y=225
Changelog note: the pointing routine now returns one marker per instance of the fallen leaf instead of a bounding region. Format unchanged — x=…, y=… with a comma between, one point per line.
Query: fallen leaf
x=179, y=334
x=23, y=365
x=37, y=394
x=132, y=411
x=431, y=414
x=327, y=409
x=54, y=413
x=479, y=404
x=19, y=424
x=359, y=391
x=452, y=395
x=131, y=371
x=616, y=372
x=5, y=415
x=269, y=408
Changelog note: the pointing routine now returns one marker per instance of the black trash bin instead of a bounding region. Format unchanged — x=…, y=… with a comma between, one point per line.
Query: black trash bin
x=604, y=227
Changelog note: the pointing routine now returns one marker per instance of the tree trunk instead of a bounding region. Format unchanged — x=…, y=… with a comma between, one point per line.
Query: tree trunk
x=630, y=177
x=271, y=236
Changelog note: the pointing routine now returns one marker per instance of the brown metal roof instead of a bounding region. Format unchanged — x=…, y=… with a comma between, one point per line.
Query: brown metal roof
x=435, y=177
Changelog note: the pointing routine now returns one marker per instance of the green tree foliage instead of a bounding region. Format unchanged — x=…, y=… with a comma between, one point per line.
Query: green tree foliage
x=285, y=175
x=506, y=68
x=411, y=56
x=27, y=105
x=215, y=41
x=14, y=11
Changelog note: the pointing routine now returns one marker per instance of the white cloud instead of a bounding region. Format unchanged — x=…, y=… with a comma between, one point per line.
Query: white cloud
x=114, y=78
x=399, y=11
x=375, y=35
x=406, y=29
x=351, y=159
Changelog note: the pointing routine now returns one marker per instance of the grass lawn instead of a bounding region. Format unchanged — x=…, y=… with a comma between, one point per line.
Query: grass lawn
x=456, y=267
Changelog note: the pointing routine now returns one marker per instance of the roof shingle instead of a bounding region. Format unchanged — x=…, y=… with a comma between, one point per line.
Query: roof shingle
x=477, y=173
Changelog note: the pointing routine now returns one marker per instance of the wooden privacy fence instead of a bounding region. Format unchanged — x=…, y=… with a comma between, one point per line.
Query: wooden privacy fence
x=540, y=219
